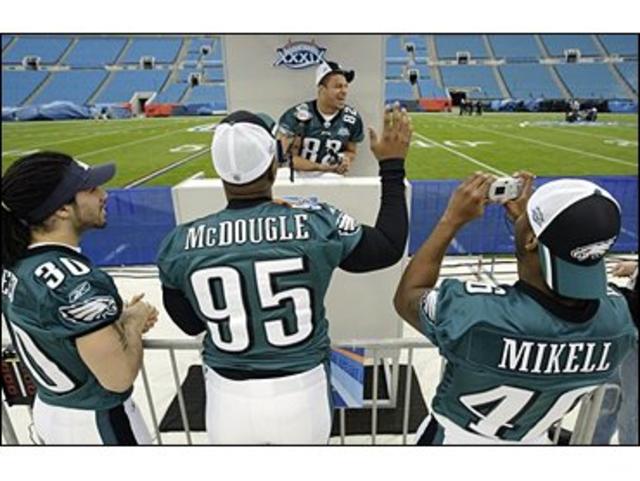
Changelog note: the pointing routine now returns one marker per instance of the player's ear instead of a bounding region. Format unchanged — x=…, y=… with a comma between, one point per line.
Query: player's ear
x=531, y=242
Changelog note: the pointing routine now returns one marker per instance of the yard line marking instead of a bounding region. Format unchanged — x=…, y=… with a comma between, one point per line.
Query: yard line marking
x=546, y=144
x=464, y=156
x=119, y=130
x=133, y=142
x=574, y=131
x=159, y=172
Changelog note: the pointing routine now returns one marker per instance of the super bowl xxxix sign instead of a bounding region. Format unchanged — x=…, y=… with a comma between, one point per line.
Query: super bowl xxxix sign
x=298, y=55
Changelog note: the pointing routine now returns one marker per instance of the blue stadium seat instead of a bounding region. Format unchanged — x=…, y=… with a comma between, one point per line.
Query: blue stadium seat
x=124, y=84
x=398, y=90
x=192, y=57
x=395, y=48
x=17, y=86
x=49, y=49
x=472, y=76
x=171, y=95
x=557, y=44
x=515, y=48
x=95, y=52
x=530, y=81
x=448, y=45
x=208, y=94
x=214, y=74
x=164, y=50
x=621, y=44
x=591, y=81
x=629, y=71
x=196, y=43
x=183, y=75
x=394, y=70
x=6, y=39
x=429, y=89
x=216, y=53
x=73, y=86
x=420, y=42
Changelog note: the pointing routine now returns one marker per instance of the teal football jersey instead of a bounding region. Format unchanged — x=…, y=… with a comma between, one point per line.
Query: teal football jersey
x=513, y=366
x=50, y=298
x=321, y=137
x=257, y=278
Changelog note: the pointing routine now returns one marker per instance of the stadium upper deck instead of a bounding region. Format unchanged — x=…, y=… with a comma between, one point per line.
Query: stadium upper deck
x=89, y=70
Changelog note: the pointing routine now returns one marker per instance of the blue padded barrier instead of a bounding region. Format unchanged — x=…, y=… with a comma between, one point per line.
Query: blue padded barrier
x=493, y=233
x=138, y=220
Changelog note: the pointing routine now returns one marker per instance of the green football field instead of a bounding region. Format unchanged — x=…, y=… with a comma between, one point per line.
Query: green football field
x=445, y=146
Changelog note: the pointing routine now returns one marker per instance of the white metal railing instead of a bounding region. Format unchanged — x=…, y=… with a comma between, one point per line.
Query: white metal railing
x=379, y=351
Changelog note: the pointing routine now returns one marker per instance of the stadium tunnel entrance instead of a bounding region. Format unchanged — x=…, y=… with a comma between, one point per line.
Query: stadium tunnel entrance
x=457, y=96
x=138, y=101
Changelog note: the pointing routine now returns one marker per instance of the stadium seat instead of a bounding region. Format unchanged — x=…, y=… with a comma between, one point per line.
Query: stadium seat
x=399, y=90
x=49, y=49
x=123, y=84
x=73, y=86
x=164, y=50
x=626, y=45
x=591, y=81
x=629, y=71
x=18, y=86
x=171, y=94
x=479, y=80
x=529, y=81
x=208, y=94
x=395, y=49
x=429, y=89
x=448, y=45
x=557, y=44
x=515, y=48
x=95, y=52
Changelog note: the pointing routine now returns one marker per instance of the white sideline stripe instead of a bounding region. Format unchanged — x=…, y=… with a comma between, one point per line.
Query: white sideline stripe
x=165, y=169
x=73, y=139
x=464, y=156
x=133, y=142
x=546, y=144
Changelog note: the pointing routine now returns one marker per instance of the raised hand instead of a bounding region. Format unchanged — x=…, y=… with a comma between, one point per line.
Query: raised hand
x=469, y=200
x=396, y=135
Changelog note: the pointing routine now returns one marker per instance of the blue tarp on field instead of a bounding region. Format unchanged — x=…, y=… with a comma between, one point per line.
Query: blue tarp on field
x=53, y=111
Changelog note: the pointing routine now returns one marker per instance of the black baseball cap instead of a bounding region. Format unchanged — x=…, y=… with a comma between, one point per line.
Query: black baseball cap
x=328, y=67
x=77, y=177
x=576, y=223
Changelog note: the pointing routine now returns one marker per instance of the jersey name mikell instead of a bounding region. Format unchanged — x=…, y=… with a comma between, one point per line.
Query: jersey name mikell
x=554, y=358
x=254, y=231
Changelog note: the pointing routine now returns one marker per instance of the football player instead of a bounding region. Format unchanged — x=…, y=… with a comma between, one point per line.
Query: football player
x=253, y=277
x=518, y=358
x=81, y=343
x=323, y=133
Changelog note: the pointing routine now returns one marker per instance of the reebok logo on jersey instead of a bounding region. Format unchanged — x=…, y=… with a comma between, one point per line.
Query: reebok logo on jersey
x=592, y=251
x=347, y=225
x=94, y=309
x=79, y=291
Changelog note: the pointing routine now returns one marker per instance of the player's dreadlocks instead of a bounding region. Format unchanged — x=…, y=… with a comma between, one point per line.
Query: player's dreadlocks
x=25, y=186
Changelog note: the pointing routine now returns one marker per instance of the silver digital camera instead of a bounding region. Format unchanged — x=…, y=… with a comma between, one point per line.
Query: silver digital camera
x=504, y=189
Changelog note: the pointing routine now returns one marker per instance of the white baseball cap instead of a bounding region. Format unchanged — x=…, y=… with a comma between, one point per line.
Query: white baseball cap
x=325, y=68
x=576, y=223
x=243, y=147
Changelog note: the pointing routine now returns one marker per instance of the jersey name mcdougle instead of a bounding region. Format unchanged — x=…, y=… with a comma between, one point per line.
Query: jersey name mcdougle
x=254, y=230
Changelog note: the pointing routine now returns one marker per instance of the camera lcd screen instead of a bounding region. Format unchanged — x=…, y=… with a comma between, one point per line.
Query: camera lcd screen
x=500, y=190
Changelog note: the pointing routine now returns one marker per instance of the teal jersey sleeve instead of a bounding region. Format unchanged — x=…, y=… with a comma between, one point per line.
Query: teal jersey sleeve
x=85, y=305
x=357, y=132
x=168, y=258
x=63, y=297
x=287, y=123
x=343, y=230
